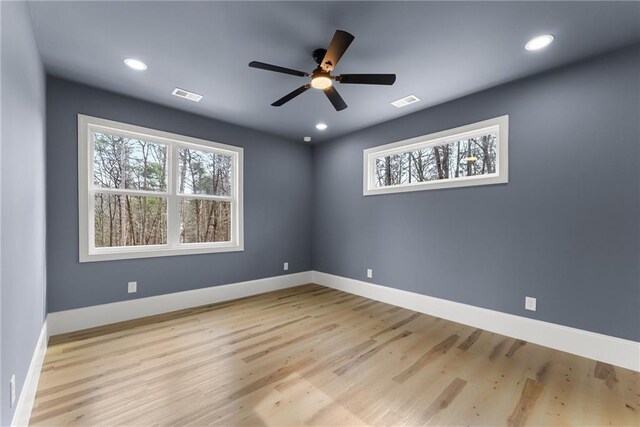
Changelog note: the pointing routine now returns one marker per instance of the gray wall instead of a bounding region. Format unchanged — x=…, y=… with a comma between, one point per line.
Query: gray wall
x=277, y=205
x=565, y=229
x=22, y=223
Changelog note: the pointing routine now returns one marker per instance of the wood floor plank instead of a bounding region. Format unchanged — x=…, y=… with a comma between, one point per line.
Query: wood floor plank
x=398, y=324
x=471, y=340
x=530, y=393
x=433, y=353
x=366, y=356
x=445, y=398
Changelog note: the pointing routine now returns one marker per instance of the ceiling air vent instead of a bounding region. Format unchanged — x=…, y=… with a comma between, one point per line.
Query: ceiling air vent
x=403, y=102
x=181, y=93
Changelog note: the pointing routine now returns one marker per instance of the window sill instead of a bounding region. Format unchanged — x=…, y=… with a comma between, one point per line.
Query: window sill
x=467, y=181
x=112, y=254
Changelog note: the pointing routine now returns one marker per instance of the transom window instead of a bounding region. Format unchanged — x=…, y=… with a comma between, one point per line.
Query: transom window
x=475, y=154
x=146, y=193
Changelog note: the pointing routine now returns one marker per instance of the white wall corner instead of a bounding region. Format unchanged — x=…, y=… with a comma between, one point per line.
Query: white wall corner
x=604, y=348
x=28, y=394
x=61, y=322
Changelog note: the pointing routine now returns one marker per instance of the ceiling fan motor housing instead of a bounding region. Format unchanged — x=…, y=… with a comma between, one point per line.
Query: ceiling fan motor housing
x=319, y=72
x=318, y=55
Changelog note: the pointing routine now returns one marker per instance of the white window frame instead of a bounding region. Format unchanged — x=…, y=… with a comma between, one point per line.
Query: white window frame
x=87, y=126
x=498, y=125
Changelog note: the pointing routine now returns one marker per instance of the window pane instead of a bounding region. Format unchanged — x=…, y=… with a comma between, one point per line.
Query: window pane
x=205, y=221
x=392, y=170
x=203, y=172
x=465, y=157
x=130, y=220
x=120, y=162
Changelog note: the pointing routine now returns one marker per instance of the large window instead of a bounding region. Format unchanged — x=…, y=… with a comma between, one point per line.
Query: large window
x=146, y=193
x=475, y=154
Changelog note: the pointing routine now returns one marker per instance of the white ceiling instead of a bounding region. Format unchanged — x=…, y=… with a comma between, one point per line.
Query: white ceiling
x=439, y=51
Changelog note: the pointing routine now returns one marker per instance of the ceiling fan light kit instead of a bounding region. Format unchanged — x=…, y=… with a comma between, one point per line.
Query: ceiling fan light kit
x=321, y=77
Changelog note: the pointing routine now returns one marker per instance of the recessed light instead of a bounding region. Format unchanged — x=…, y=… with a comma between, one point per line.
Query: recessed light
x=321, y=126
x=539, y=42
x=307, y=139
x=135, y=64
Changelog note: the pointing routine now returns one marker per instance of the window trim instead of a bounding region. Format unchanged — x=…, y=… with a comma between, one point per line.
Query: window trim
x=501, y=176
x=87, y=250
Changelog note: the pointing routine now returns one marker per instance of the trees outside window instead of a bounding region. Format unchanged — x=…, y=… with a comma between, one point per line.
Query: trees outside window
x=467, y=157
x=470, y=155
x=150, y=193
x=123, y=218
x=205, y=183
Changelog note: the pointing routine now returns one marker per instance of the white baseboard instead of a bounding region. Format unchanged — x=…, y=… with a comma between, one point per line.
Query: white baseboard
x=61, y=322
x=616, y=351
x=28, y=394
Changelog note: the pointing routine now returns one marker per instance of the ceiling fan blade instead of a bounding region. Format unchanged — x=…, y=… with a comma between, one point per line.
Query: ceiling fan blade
x=367, y=79
x=277, y=69
x=339, y=44
x=335, y=98
x=291, y=95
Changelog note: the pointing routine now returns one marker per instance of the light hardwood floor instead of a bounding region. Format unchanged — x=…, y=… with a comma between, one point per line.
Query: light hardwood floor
x=316, y=356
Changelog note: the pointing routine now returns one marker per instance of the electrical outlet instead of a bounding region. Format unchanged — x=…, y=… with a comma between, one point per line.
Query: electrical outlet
x=530, y=303
x=12, y=386
x=132, y=287
x=369, y=273
x=286, y=266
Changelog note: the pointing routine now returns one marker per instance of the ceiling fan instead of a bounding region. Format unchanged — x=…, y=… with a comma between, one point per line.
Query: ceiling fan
x=321, y=77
